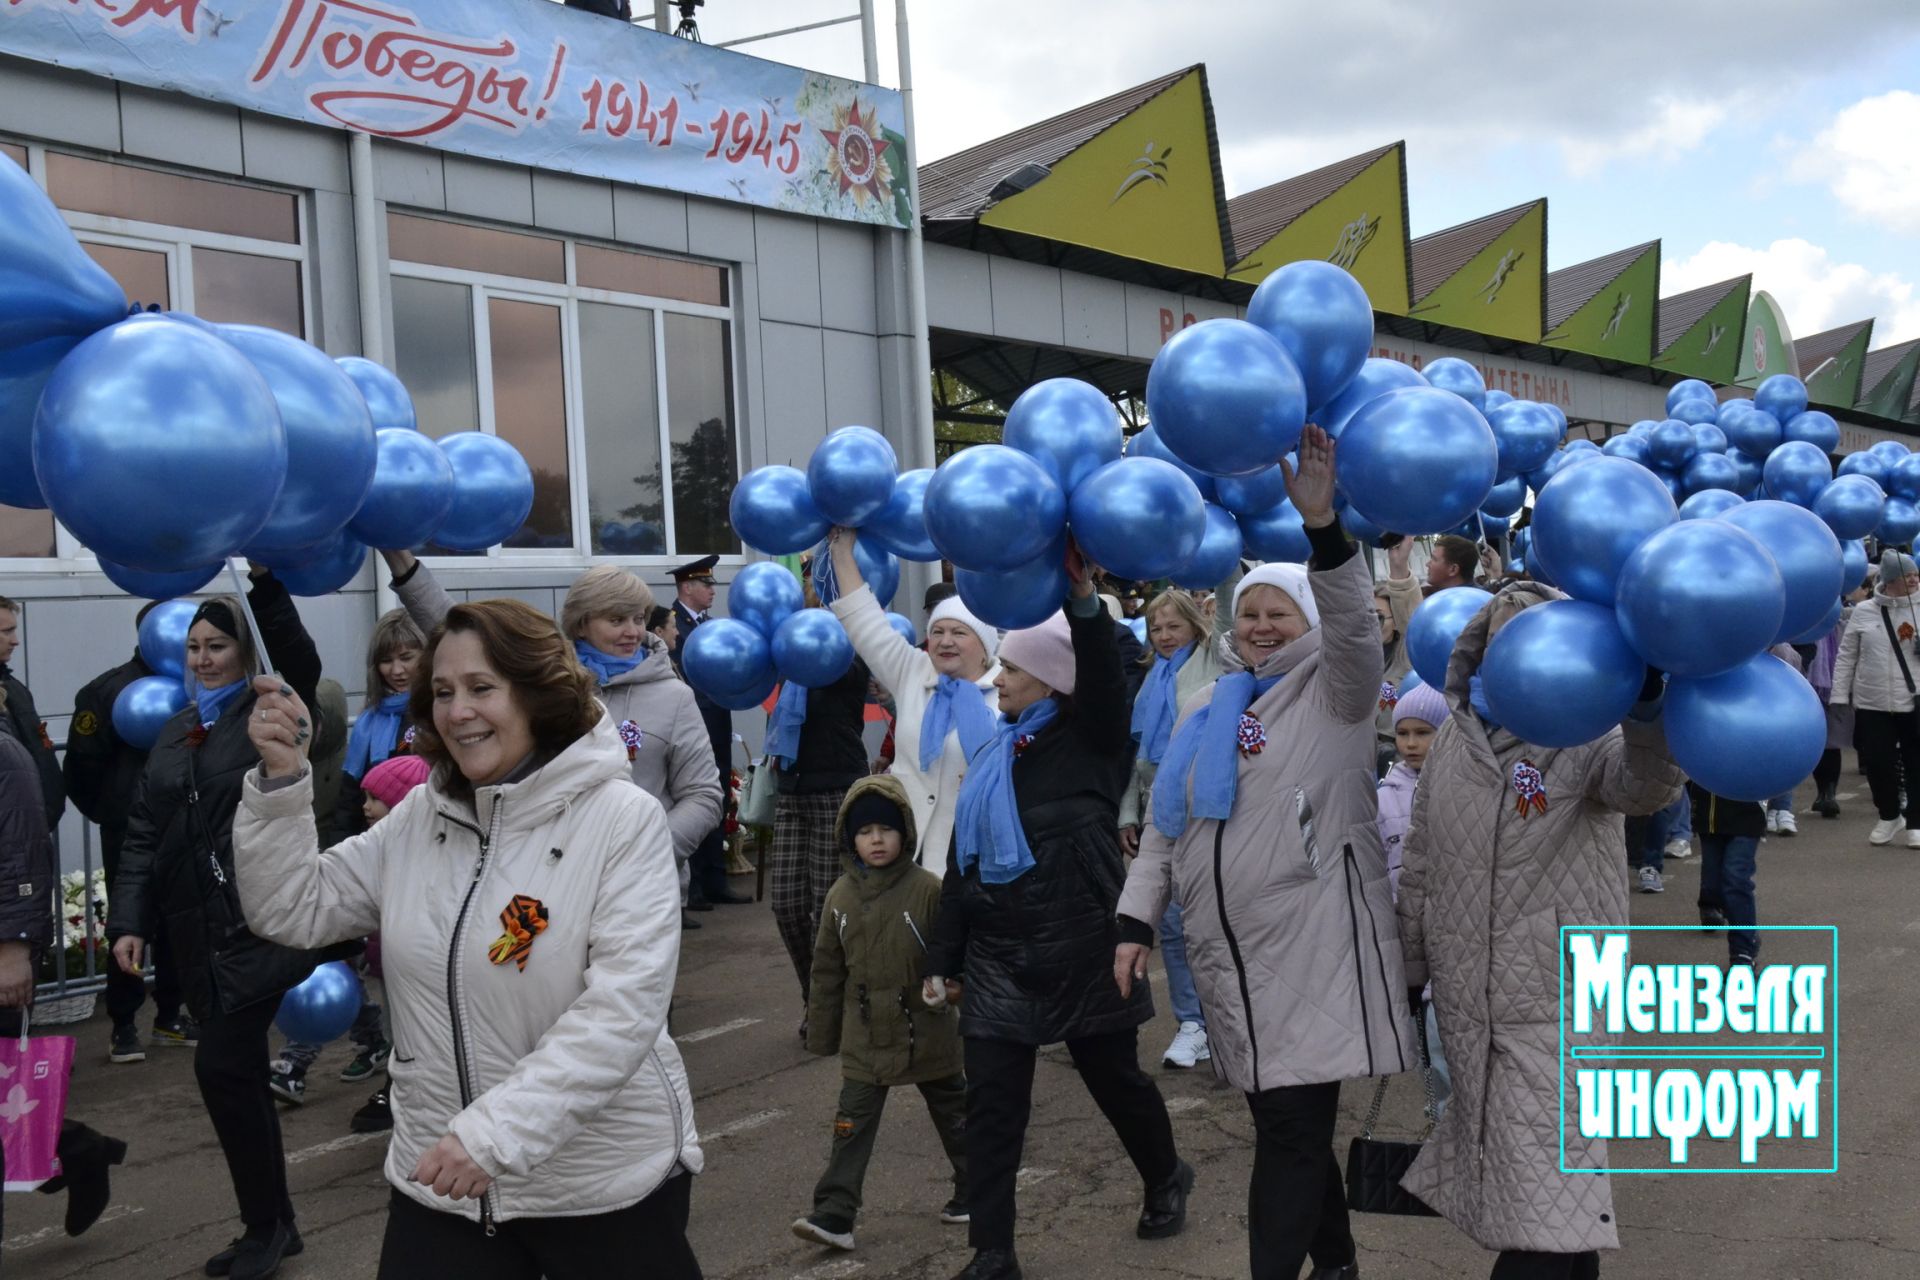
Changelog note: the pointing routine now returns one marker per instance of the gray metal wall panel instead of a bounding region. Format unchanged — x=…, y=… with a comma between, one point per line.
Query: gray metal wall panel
x=294, y=155
x=56, y=105
x=890, y=285
x=1206, y=309
x=563, y=202
x=752, y=426
x=959, y=290
x=1095, y=312
x=1153, y=315
x=853, y=384
x=331, y=271
x=716, y=230
x=654, y=219
x=1026, y=301
x=787, y=252
x=165, y=126
x=484, y=189
x=410, y=176
x=847, y=278
x=792, y=363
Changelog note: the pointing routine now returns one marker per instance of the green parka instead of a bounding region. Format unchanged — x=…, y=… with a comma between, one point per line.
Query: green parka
x=864, y=1001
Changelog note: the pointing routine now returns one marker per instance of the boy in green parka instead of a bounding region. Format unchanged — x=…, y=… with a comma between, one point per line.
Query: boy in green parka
x=865, y=1004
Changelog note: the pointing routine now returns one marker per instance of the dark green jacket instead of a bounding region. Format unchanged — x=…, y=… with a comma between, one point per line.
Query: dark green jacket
x=865, y=1000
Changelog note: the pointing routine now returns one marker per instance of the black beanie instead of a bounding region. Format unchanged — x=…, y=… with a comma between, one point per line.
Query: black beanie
x=869, y=807
x=220, y=615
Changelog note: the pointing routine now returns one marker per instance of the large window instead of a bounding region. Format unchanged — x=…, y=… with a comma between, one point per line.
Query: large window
x=610, y=370
x=225, y=251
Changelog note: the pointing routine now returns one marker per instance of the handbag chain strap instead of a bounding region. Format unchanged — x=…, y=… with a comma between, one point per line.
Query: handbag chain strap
x=1431, y=1107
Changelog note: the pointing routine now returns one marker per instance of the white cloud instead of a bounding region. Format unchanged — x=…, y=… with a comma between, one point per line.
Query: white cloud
x=1867, y=158
x=1815, y=291
x=1678, y=127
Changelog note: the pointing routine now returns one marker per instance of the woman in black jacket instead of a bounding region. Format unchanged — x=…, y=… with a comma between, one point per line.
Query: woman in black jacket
x=1026, y=923
x=176, y=871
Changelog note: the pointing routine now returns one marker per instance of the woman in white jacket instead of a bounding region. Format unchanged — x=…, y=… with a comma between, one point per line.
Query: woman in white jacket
x=529, y=918
x=1875, y=673
x=945, y=706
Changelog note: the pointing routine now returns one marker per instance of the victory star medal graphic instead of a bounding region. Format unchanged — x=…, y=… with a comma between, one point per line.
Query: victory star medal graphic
x=857, y=158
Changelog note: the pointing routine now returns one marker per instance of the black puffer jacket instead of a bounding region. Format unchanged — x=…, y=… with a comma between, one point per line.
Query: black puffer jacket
x=27, y=871
x=1718, y=816
x=102, y=769
x=176, y=868
x=1036, y=955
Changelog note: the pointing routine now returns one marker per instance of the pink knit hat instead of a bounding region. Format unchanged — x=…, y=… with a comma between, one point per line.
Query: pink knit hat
x=1044, y=652
x=391, y=779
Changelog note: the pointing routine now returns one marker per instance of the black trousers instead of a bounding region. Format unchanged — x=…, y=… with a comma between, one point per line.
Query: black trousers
x=231, y=1066
x=1826, y=774
x=1000, y=1100
x=1296, y=1202
x=1889, y=744
x=126, y=992
x=1519, y=1264
x=646, y=1241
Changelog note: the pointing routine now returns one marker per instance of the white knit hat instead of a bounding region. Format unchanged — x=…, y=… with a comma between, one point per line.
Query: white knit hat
x=952, y=609
x=1290, y=578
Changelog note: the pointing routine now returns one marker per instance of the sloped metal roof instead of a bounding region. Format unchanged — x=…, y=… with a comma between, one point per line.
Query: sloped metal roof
x=1439, y=256
x=1817, y=349
x=1572, y=288
x=1259, y=216
x=1878, y=364
x=1683, y=310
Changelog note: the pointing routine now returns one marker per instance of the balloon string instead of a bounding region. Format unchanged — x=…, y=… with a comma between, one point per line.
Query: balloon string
x=246, y=611
x=825, y=585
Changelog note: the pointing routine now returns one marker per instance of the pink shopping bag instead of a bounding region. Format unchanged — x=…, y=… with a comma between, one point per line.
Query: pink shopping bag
x=33, y=1103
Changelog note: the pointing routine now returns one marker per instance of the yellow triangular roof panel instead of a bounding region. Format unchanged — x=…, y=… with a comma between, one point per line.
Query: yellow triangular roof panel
x=1353, y=213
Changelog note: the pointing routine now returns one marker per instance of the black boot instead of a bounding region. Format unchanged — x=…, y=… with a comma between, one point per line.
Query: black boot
x=1827, y=803
x=1349, y=1272
x=85, y=1157
x=992, y=1264
x=1165, y=1212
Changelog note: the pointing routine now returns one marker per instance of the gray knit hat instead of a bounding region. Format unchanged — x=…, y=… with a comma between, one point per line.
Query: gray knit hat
x=1895, y=564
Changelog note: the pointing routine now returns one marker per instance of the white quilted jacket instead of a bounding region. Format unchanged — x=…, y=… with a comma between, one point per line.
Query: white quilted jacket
x=1866, y=671
x=559, y=1078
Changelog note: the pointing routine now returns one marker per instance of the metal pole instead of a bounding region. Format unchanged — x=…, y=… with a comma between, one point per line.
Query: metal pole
x=373, y=311
x=789, y=31
x=870, y=41
x=921, y=387
x=663, y=17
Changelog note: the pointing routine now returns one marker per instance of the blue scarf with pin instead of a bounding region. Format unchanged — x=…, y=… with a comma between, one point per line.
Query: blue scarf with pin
x=783, y=727
x=956, y=704
x=605, y=666
x=1158, y=705
x=1206, y=751
x=986, y=818
x=375, y=731
x=212, y=702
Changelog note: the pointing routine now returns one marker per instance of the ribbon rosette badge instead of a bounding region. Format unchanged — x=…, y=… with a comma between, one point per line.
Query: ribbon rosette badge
x=1020, y=745
x=1389, y=696
x=1531, y=787
x=1253, y=734
x=632, y=735
x=524, y=919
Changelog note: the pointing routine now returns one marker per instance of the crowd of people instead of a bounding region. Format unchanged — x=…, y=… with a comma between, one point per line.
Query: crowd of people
x=1349, y=874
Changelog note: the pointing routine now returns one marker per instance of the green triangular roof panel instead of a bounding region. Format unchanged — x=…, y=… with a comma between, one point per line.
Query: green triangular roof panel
x=1766, y=344
x=1698, y=332
x=1887, y=379
x=1832, y=363
x=1353, y=213
x=1606, y=307
x=1487, y=275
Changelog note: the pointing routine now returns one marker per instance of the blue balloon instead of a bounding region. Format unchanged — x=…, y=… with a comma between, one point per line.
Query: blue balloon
x=1561, y=673
x=725, y=659
x=330, y=442
x=901, y=525
x=1889, y=451
x=411, y=493
x=388, y=403
x=1631, y=447
x=851, y=475
x=1902, y=479
x=24, y=372
x=1709, y=438
x=1147, y=444
x=1871, y=465
x=323, y=1007
x=1321, y=316
x=1538, y=478
x=1359, y=528
x=1218, y=556
x=811, y=649
x=1450, y=373
x=1708, y=503
x=1526, y=434
x=879, y=569
x=163, y=637
x=1506, y=498
x=904, y=627
x=1473, y=529
x=1695, y=411
x=1752, y=431
x=1376, y=377
x=1823, y=628
x=1067, y=426
x=1815, y=427
x=773, y=512
x=1496, y=398
x=1673, y=482
x=1701, y=597
x=492, y=492
x=143, y=708
x=1807, y=553
x=1796, y=472
x=764, y=595
x=752, y=697
x=1644, y=427
x=1748, y=734
x=1852, y=506
x=1025, y=596
x=1853, y=559
x=160, y=586
x=1226, y=398
x=1591, y=518
x=1671, y=444
x=1276, y=534
x=1710, y=471
x=1899, y=523
x=1139, y=628
x=993, y=508
x=1139, y=518
x=1580, y=445
x=1688, y=389
x=1436, y=626
x=1250, y=495
x=1750, y=470
x=1418, y=460
x=159, y=446
x=1530, y=556
x=334, y=564
x=1783, y=396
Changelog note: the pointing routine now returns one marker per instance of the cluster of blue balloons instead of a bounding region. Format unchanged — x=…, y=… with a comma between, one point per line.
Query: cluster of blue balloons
x=146, y=704
x=771, y=636
x=166, y=443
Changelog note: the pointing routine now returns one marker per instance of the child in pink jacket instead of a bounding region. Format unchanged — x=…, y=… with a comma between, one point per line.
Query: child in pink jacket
x=1417, y=716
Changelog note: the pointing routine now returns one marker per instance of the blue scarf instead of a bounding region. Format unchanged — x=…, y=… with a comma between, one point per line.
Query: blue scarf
x=214, y=701
x=1158, y=706
x=956, y=704
x=375, y=730
x=986, y=819
x=783, y=728
x=1477, y=696
x=605, y=666
x=1207, y=748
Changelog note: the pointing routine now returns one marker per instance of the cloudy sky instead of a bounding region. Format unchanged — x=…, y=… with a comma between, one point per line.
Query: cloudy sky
x=1771, y=136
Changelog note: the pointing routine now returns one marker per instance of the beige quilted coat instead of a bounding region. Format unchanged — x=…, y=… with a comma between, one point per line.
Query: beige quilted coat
x=1288, y=915
x=1483, y=893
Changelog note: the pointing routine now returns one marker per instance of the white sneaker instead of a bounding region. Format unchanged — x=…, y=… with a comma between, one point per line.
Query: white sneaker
x=823, y=1232
x=1679, y=847
x=1773, y=822
x=1784, y=824
x=1190, y=1046
x=1884, y=830
x=1913, y=838
x=1650, y=881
